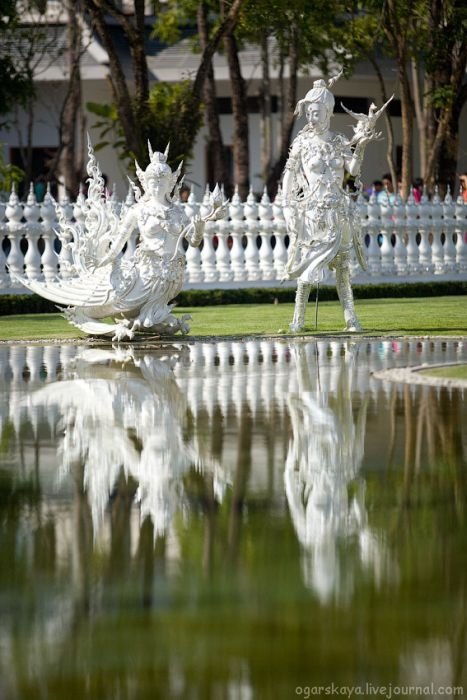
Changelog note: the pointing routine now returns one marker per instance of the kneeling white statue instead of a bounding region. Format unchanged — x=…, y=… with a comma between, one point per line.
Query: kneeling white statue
x=321, y=217
x=134, y=291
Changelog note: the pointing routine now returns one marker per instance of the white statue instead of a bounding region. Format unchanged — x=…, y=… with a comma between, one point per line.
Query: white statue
x=320, y=214
x=135, y=290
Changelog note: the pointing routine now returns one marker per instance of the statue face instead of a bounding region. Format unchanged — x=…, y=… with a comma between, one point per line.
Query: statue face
x=158, y=185
x=317, y=116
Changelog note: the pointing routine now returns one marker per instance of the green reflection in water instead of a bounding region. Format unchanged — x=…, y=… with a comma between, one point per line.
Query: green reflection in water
x=318, y=538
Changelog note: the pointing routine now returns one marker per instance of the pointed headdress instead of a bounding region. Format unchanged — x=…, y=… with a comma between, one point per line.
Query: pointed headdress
x=319, y=93
x=158, y=166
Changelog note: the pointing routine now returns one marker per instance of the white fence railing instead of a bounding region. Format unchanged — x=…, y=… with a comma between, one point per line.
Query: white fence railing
x=404, y=241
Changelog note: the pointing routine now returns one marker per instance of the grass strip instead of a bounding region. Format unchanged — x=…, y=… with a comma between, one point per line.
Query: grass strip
x=449, y=372
x=436, y=316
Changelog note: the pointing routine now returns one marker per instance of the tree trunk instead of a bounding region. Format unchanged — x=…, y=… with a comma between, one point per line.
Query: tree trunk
x=445, y=92
x=288, y=119
x=215, y=145
x=407, y=130
x=387, y=118
x=240, y=116
x=397, y=36
x=266, y=110
x=70, y=116
x=135, y=143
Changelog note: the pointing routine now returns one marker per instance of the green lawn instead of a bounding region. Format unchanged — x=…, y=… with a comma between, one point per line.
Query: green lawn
x=450, y=372
x=379, y=317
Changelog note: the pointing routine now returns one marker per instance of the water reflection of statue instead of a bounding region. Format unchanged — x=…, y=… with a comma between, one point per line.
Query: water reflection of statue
x=321, y=218
x=323, y=461
x=126, y=415
x=135, y=289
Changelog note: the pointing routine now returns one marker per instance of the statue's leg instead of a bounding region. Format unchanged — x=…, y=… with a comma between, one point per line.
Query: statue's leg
x=301, y=300
x=344, y=291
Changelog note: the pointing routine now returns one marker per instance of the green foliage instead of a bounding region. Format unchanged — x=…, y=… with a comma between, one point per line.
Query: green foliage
x=170, y=115
x=173, y=116
x=111, y=132
x=16, y=84
x=176, y=14
x=10, y=175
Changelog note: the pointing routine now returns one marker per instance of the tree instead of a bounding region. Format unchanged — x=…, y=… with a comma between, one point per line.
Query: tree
x=68, y=163
x=134, y=107
x=303, y=34
x=15, y=83
x=168, y=27
x=31, y=43
x=427, y=39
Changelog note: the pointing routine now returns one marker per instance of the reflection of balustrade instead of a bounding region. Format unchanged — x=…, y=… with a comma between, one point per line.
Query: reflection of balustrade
x=403, y=242
x=216, y=372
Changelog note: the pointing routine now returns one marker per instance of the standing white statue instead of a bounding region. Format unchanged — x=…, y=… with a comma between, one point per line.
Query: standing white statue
x=321, y=217
x=134, y=291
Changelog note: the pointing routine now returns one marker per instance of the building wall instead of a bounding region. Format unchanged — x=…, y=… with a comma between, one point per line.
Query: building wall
x=50, y=96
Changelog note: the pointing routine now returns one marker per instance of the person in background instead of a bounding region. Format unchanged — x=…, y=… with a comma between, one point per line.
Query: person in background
x=376, y=187
x=463, y=185
x=40, y=187
x=417, y=189
x=184, y=193
x=388, y=190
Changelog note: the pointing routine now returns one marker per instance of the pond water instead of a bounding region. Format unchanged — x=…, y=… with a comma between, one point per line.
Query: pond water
x=231, y=520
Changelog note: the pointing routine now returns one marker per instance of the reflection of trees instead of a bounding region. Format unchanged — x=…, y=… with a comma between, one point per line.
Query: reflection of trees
x=421, y=498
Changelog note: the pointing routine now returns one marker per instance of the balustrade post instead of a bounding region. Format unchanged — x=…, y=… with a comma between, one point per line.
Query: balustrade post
x=461, y=233
x=208, y=254
x=252, y=231
x=400, y=250
x=193, y=272
x=32, y=258
x=280, y=232
x=238, y=226
x=387, y=251
x=266, y=257
x=437, y=250
x=449, y=225
x=413, y=265
x=224, y=265
x=4, y=276
x=373, y=226
x=65, y=211
x=14, y=214
x=49, y=254
x=424, y=248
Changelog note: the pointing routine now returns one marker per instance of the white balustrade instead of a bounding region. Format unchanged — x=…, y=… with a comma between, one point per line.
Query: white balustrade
x=403, y=241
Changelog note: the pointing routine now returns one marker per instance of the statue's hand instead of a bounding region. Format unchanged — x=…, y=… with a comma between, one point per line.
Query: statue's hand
x=219, y=204
x=368, y=136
